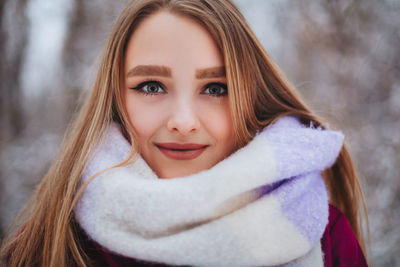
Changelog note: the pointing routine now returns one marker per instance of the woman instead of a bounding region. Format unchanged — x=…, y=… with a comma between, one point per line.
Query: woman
x=185, y=90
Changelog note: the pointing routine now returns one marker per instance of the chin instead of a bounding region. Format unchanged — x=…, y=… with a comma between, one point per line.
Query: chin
x=174, y=173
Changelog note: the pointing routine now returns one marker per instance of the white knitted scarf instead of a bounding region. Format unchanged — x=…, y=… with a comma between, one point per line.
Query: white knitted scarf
x=264, y=205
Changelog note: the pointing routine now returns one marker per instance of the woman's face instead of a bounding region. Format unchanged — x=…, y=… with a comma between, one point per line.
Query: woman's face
x=176, y=96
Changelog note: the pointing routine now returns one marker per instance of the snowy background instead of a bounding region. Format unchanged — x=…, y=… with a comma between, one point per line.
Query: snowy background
x=342, y=55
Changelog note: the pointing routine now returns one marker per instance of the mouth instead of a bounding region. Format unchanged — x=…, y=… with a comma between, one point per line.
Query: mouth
x=181, y=151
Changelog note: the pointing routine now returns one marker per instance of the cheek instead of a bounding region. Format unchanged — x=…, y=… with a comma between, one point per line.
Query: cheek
x=218, y=122
x=144, y=118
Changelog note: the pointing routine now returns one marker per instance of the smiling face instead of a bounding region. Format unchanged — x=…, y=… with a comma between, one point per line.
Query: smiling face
x=176, y=96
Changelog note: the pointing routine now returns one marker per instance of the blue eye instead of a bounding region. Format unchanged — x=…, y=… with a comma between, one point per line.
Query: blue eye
x=216, y=89
x=149, y=88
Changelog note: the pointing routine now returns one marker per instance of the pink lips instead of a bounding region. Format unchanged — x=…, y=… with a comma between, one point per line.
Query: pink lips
x=181, y=151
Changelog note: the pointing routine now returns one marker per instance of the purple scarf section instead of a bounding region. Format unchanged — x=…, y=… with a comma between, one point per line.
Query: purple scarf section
x=302, y=153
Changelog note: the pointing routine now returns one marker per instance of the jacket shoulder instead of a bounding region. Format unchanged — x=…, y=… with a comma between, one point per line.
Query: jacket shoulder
x=339, y=243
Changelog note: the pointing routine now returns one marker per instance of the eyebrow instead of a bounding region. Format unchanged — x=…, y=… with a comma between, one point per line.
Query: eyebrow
x=215, y=72
x=163, y=71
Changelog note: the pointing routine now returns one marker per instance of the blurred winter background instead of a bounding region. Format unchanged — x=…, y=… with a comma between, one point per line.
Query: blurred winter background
x=342, y=55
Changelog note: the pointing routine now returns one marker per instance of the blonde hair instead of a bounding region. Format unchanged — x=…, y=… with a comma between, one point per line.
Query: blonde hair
x=259, y=94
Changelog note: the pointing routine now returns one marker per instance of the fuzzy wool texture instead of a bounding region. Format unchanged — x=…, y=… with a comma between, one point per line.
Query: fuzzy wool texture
x=264, y=205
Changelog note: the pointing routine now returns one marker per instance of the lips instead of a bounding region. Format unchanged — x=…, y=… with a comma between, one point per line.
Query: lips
x=181, y=151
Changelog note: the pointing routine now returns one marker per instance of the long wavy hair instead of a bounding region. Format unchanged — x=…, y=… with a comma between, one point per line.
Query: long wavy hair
x=45, y=233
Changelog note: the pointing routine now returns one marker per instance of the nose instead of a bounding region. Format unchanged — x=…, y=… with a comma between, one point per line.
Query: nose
x=183, y=118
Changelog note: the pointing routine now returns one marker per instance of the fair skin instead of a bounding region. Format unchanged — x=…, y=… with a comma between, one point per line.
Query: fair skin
x=178, y=109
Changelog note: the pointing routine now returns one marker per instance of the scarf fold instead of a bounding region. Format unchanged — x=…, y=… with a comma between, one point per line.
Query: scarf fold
x=264, y=205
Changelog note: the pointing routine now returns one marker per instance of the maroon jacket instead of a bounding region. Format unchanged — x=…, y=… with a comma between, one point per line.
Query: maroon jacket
x=339, y=245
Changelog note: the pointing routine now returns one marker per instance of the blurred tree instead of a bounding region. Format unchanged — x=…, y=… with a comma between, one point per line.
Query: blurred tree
x=12, y=46
x=88, y=28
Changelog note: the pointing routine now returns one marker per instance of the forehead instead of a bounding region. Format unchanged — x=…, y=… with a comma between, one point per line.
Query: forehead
x=171, y=40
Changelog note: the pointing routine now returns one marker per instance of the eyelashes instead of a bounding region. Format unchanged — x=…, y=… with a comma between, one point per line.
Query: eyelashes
x=150, y=88
x=153, y=87
x=216, y=89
